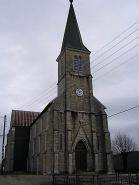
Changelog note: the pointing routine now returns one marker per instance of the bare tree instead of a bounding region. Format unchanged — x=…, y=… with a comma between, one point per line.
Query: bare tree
x=123, y=144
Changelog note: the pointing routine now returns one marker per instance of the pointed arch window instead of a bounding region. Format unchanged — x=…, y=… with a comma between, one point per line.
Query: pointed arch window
x=75, y=63
x=80, y=64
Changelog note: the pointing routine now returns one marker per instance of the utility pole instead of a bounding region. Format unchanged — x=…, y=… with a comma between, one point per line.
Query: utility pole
x=3, y=145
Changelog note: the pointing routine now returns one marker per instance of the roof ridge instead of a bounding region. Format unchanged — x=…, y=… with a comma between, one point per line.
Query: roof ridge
x=25, y=111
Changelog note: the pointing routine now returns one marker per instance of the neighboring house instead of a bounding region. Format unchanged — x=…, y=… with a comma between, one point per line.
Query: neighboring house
x=71, y=133
x=132, y=162
x=16, y=150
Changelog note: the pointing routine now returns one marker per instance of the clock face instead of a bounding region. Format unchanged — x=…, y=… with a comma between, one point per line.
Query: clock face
x=79, y=92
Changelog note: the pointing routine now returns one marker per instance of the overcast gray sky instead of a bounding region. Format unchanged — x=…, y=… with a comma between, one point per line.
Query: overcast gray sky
x=31, y=33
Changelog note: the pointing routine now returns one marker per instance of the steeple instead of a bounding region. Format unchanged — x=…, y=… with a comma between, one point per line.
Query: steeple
x=72, y=37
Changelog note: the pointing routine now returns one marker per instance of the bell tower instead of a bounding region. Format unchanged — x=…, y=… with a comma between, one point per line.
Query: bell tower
x=84, y=129
x=74, y=76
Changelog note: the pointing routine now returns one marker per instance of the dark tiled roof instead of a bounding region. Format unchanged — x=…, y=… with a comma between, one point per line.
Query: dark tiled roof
x=72, y=37
x=23, y=118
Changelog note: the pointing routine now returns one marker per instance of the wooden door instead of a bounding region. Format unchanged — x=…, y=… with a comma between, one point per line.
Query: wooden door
x=80, y=156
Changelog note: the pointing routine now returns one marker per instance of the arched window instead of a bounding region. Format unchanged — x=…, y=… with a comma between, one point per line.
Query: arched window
x=80, y=64
x=75, y=63
x=80, y=146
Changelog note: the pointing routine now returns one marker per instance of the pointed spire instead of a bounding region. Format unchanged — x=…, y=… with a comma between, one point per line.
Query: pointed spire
x=72, y=37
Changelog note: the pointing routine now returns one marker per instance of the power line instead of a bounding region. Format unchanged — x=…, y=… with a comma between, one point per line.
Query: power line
x=91, y=55
x=118, y=113
x=38, y=95
x=107, y=117
x=123, y=111
x=115, y=38
x=114, y=45
x=116, y=67
x=94, y=80
x=115, y=52
x=115, y=59
x=40, y=98
x=44, y=103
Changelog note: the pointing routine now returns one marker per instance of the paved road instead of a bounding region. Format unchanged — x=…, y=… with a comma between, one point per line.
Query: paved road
x=25, y=180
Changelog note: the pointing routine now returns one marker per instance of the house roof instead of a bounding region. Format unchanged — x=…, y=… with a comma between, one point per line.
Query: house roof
x=72, y=37
x=23, y=118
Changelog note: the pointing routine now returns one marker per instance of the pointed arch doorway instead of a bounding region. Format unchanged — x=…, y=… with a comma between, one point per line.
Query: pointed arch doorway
x=80, y=156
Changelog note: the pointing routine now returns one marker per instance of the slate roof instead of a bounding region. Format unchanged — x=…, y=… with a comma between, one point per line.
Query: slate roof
x=72, y=37
x=48, y=105
x=99, y=102
x=57, y=97
x=23, y=118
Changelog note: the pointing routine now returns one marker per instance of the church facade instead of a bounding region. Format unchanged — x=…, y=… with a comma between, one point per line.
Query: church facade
x=71, y=133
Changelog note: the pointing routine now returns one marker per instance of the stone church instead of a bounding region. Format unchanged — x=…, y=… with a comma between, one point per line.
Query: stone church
x=71, y=133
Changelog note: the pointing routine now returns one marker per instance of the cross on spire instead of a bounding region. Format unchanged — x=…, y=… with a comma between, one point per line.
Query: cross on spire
x=71, y=1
